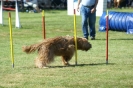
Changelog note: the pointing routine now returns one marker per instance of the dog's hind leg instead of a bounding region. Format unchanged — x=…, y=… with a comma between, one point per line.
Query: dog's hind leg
x=39, y=62
x=45, y=56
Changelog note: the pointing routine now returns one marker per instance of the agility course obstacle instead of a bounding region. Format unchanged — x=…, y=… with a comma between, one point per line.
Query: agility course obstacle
x=118, y=21
x=1, y=13
x=11, y=40
x=107, y=27
x=17, y=22
x=75, y=37
x=43, y=25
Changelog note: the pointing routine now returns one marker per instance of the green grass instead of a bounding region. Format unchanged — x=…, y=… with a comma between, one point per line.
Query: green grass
x=91, y=71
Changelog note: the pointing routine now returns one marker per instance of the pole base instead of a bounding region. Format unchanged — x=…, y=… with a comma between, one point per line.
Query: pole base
x=106, y=62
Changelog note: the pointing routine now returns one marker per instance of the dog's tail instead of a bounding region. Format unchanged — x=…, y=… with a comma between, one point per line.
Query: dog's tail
x=31, y=48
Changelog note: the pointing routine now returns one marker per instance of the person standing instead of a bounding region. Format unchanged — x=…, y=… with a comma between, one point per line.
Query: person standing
x=88, y=14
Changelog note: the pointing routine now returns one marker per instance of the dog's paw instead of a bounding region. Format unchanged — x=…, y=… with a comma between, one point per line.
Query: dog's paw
x=66, y=64
x=45, y=67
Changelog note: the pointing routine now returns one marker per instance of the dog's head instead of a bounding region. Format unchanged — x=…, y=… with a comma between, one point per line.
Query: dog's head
x=83, y=44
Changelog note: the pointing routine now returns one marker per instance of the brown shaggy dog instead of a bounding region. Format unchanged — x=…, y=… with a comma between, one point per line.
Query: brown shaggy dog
x=59, y=46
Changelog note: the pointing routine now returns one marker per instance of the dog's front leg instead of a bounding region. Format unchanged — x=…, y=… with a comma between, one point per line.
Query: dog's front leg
x=65, y=60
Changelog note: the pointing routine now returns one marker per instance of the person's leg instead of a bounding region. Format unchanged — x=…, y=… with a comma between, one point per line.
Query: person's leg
x=92, y=21
x=84, y=16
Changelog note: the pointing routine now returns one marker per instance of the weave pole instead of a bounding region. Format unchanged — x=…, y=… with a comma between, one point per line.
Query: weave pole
x=107, y=27
x=11, y=40
x=75, y=37
x=1, y=13
x=43, y=24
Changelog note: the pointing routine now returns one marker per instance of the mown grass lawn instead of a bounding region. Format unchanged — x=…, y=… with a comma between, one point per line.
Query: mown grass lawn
x=91, y=71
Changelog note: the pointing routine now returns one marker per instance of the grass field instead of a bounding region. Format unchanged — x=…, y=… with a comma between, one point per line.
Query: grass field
x=91, y=71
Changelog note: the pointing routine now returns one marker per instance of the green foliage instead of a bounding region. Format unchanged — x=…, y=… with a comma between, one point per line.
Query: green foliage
x=91, y=71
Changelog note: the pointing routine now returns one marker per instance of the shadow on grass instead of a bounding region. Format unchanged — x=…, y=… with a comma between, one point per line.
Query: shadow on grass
x=123, y=39
x=81, y=65
x=117, y=39
x=72, y=65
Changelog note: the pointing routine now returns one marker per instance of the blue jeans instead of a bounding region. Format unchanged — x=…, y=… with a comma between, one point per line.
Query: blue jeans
x=88, y=18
